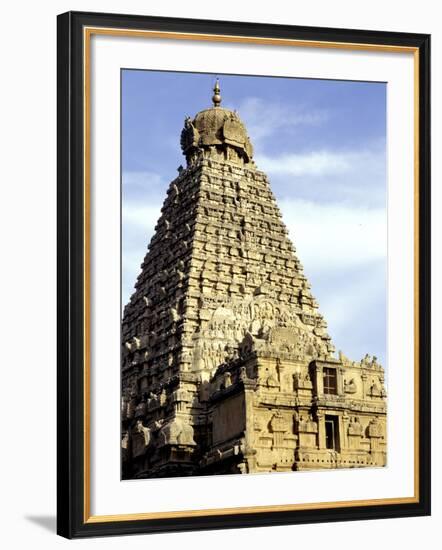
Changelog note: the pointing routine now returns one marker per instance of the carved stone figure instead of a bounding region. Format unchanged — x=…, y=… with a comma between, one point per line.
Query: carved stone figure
x=375, y=428
x=176, y=431
x=140, y=439
x=355, y=427
x=350, y=386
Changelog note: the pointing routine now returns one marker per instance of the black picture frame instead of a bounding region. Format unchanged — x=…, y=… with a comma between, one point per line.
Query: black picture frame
x=73, y=520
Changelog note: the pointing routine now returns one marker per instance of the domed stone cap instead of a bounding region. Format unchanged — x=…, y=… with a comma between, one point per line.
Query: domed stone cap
x=216, y=127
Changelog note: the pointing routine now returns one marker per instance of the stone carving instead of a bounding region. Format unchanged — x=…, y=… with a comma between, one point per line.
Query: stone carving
x=355, y=427
x=123, y=408
x=131, y=404
x=140, y=410
x=278, y=426
x=306, y=424
x=216, y=127
x=375, y=428
x=125, y=440
x=272, y=382
x=177, y=432
x=278, y=423
x=375, y=390
x=140, y=439
x=302, y=381
x=227, y=379
x=350, y=386
x=189, y=136
x=224, y=349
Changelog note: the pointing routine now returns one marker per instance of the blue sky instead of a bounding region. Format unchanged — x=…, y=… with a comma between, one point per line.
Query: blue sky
x=323, y=145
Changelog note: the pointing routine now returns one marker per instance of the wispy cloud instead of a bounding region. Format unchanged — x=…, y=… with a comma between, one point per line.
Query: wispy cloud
x=143, y=196
x=333, y=235
x=145, y=184
x=351, y=177
x=343, y=249
x=322, y=163
x=143, y=216
x=354, y=304
x=264, y=118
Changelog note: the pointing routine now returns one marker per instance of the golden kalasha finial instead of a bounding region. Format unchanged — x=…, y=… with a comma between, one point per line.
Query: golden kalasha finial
x=216, y=98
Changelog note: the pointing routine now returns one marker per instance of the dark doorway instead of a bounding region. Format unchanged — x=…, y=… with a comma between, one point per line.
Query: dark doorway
x=331, y=432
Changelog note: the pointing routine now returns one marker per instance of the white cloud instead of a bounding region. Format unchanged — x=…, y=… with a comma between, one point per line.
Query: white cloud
x=143, y=216
x=343, y=250
x=264, y=118
x=335, y=235
x=347, y=304
x=355, y=310
x=138, y=225
x=322, y=163
x=141, y=178
x=143, y=195
x=131, y=268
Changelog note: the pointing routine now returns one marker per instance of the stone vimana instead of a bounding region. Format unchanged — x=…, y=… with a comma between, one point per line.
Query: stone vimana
x=226, y=363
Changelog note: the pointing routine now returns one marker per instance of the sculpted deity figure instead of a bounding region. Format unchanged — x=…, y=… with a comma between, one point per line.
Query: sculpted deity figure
x=272, y=382
x=366, y=360
x=227, y=379
x=145, y=432
x=176, y=431
x=355, y=427
x=374, y=390
x=140, y=409
x=350, y=386
x=375, y=428
x=124, y=403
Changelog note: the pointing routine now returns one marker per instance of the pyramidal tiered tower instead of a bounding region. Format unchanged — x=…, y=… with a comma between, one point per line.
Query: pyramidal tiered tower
x=226, y=363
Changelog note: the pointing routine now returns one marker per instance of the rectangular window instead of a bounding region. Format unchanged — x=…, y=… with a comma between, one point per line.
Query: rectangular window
x=330, y=382
x=331, y=432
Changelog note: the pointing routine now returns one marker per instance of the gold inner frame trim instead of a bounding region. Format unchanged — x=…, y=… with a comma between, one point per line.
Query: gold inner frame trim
x=87, y=34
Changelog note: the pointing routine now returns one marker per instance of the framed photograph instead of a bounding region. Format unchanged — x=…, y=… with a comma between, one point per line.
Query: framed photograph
x=243, y=274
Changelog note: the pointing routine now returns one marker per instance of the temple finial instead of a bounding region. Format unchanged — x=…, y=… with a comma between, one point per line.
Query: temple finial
x=216, y=98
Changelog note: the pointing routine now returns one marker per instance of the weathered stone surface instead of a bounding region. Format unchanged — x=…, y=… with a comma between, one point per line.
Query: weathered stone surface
x=226, y=363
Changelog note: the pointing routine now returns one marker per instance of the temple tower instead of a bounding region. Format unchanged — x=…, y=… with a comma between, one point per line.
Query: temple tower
x=226, y=363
